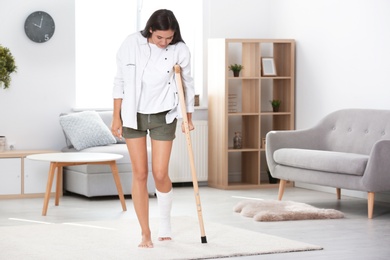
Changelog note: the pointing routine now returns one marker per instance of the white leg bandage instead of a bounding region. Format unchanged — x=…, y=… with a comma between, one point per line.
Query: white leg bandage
x=164, y=201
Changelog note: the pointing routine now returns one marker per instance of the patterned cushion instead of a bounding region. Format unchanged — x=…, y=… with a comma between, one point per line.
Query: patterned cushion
x=86, y=129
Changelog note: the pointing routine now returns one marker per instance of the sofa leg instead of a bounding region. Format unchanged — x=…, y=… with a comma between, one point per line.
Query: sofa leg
x=338, y=193
x=282, y=185
x=370, y=200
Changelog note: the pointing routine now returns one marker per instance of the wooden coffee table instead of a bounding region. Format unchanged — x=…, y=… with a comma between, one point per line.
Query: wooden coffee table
x=59, y=160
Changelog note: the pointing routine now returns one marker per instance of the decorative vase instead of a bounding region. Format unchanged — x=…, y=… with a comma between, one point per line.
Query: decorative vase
x=236, y=73
x=237, y=140
x=275, y=109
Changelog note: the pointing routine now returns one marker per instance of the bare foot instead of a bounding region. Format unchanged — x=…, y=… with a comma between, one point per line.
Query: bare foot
x=146, y=242
x=164, y=238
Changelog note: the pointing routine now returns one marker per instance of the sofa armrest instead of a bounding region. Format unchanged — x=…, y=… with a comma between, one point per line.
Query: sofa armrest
x=376, y=177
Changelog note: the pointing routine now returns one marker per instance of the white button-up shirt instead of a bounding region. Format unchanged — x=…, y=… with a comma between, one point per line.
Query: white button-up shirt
x=132, y=58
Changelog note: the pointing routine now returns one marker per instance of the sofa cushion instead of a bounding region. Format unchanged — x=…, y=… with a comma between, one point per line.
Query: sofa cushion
x=86, y=129
x=328, y=161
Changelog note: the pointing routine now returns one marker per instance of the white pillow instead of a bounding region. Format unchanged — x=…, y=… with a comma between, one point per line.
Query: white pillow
x=86, y=129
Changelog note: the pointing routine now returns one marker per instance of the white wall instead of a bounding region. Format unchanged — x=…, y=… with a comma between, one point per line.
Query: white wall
x=43, y=87
x=342, y=55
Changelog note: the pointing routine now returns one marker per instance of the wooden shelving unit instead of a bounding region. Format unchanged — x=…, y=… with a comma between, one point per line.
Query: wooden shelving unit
x=252, y=114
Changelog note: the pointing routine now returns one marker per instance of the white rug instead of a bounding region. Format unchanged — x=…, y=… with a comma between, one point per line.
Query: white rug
x=119, y=240
x=275, y=210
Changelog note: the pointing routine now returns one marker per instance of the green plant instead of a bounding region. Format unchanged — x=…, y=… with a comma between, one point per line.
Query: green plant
x=7, y=66
x=235, y=67
x=275, y=102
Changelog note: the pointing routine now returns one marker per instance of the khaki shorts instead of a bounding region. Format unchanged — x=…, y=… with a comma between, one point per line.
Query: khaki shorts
x=155, y=124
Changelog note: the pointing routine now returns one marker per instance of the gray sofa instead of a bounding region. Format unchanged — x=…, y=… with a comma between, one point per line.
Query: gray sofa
x=348, y=149
x=96, y=180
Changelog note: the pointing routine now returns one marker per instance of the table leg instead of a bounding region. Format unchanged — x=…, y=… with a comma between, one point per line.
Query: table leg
x=58, y=185
x=49, y=184
x=118, y=184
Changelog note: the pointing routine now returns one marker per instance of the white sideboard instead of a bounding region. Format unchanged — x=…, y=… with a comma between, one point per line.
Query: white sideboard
x=21, y=177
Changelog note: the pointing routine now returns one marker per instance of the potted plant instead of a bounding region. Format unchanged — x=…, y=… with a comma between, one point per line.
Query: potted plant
x=7, y=66
x=236, y=68
x=275, y=104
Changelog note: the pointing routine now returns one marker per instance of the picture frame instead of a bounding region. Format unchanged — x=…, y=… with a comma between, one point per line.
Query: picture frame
x=268, y=66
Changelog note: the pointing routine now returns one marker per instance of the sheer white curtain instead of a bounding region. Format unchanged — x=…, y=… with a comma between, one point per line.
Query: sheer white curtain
x=102, y=25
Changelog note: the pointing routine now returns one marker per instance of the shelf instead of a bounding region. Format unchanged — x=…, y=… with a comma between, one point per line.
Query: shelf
x=242, y=114
x=261, y=77
x=241, y=104
x=275, y=77
x=270, y=113
x=244, y=78
x=231, y=149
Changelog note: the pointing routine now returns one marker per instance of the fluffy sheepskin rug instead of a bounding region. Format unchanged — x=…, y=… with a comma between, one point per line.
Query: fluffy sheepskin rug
x=275, y=210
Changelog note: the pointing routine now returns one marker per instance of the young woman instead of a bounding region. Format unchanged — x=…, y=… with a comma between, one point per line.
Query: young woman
x=146, y=102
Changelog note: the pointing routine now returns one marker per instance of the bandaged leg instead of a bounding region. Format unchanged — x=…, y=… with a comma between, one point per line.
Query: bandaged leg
x=164, y=201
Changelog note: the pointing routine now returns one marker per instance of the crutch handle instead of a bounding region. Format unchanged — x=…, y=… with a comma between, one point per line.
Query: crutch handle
x=177, y=69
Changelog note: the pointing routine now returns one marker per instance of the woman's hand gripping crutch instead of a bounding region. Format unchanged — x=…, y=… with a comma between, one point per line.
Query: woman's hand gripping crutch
x=190, y=151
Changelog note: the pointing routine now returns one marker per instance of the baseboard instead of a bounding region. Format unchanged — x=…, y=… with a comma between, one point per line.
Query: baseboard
x=189, y=184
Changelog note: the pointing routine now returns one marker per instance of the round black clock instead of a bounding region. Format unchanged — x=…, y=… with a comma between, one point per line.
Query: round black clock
x=39, y=26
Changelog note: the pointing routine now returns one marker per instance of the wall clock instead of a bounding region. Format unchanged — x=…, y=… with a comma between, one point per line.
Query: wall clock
x=39, y=26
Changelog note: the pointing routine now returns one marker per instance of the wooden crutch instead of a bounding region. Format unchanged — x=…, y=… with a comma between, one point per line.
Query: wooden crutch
x=190, y=152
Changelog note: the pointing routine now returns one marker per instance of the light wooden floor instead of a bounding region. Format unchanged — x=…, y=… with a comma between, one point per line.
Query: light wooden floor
x=354, y=237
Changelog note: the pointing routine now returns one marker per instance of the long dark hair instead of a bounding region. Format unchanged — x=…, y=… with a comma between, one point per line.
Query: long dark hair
x=163, y=20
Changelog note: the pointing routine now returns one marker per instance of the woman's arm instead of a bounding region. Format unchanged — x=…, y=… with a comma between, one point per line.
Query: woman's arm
x=116, y=125
x=188, y=83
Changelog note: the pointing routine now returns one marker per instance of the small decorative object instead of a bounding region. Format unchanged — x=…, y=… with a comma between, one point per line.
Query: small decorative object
x=268, y=66
x=275, y=104
x=2, y=144
x=7, y=67
x=263, y=143
x=196, y=103
x=236, y=68
x=237, y=140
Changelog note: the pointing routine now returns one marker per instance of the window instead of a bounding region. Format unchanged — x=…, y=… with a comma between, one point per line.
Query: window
x=101, y=27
